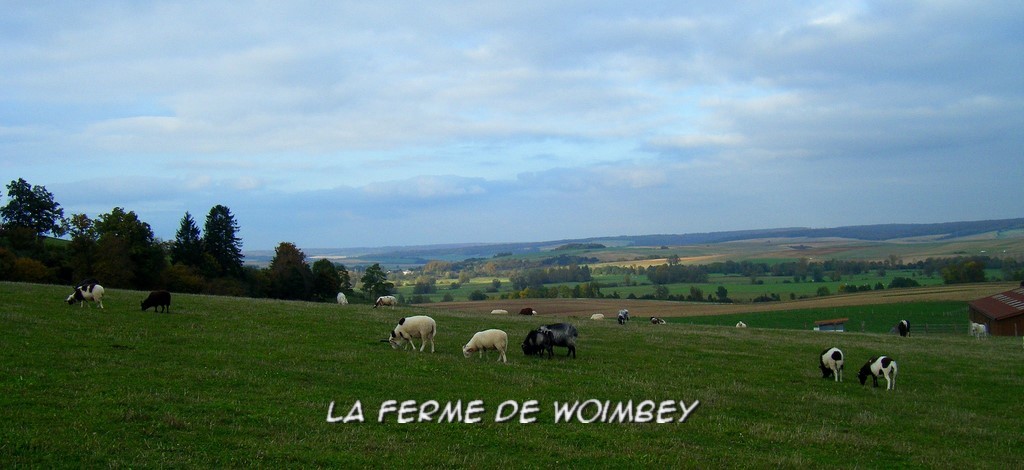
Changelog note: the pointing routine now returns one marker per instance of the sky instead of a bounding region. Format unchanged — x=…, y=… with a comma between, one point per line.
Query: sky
x=335, y=124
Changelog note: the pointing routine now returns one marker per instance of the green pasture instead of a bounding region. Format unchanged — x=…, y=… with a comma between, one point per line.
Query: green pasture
x=740, y=288
x=925, y=318
x=237, y=382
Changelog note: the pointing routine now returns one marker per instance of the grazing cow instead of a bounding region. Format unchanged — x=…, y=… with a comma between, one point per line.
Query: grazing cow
x=527, y=311
x=83, y=294
x=157, y=299
x=623, y=316
x=878, y=367
x=831, y=364
x=342, y=300
x=388, y=300
x=904, y=328
x=741, y=325
x=562, y=334
x=657, y=321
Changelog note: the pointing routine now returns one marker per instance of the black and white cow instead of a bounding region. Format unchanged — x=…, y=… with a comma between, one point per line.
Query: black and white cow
x=831, y=364
x=623, y=316
x=881, y=366
x=86, y=292
x=903, y=327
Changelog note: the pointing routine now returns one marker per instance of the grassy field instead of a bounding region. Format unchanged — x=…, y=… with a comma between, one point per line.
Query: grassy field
x=241, y=382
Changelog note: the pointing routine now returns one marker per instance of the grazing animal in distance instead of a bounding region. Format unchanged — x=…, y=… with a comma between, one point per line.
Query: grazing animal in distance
x=881, y=366
x=657, y=321
x=978, y=330
x=487, y=339
x=157, y=299
x=623, y=316
x=86, y=293
x=741, y=325
x=597, y=316
x=342, y=300
x=903, y=327
x=831, y=364
x=386, y=300
x=527, y=311
x=410, y=328
x=499, y=311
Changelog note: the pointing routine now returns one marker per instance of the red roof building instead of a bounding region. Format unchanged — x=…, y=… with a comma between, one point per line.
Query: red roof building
x=1002, y=312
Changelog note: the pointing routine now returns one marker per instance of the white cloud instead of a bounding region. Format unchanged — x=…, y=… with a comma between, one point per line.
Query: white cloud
x=510, y=113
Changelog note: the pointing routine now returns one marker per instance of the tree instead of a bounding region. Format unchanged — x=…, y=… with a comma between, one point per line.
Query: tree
x=722, y=293
x=83, y=246
x=221, y=242
x=187, y=247
x=32, y=207
x=290, y=275
x=326, y=281
x=127, y=244
x=375, y=282
x=344, y=280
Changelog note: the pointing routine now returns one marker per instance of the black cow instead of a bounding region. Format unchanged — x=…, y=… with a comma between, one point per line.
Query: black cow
x=158, y=298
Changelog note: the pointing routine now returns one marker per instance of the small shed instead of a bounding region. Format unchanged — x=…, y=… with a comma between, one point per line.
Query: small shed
x=1003, y=313
x=835, y=324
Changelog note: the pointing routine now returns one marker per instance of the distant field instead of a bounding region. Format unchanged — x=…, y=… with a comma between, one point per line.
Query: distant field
x=236, y=382
x=962, y=293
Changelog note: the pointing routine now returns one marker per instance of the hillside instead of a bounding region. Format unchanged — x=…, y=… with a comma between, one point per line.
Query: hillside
x=903, y=234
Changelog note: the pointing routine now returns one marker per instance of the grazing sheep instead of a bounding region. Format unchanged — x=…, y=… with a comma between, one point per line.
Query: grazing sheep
x=904, y=328
x=85, y=293
x=879, y=366
x=562, y=334
x=499, y=311
x=537, y=342
x=657, y=321
x=419, y=326
x=741, y=325
x=342, y=300
x=527, y=311
x=978, y=330
x=389, y=300
x=157, y=299
x=623, y=316
x=487, y=339
x=597, y=316
x=831, y=364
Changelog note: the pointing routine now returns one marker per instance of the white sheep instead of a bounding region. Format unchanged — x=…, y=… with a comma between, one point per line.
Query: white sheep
x=499, y=311
x=342, y=300
x=487, y=339
x=409, y=328
x=831, y=363
x=978, y=330
x=741, y=325
x=597, y=316
x=879, y=366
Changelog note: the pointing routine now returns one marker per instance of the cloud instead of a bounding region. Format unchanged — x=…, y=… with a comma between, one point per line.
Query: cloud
x=569, y=118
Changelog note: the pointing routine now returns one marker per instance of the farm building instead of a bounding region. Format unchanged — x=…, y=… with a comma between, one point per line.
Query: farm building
x=835, y=324
x=1003, y=313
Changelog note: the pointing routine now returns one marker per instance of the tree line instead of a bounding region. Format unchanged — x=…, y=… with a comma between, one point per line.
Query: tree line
x=120, y=250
